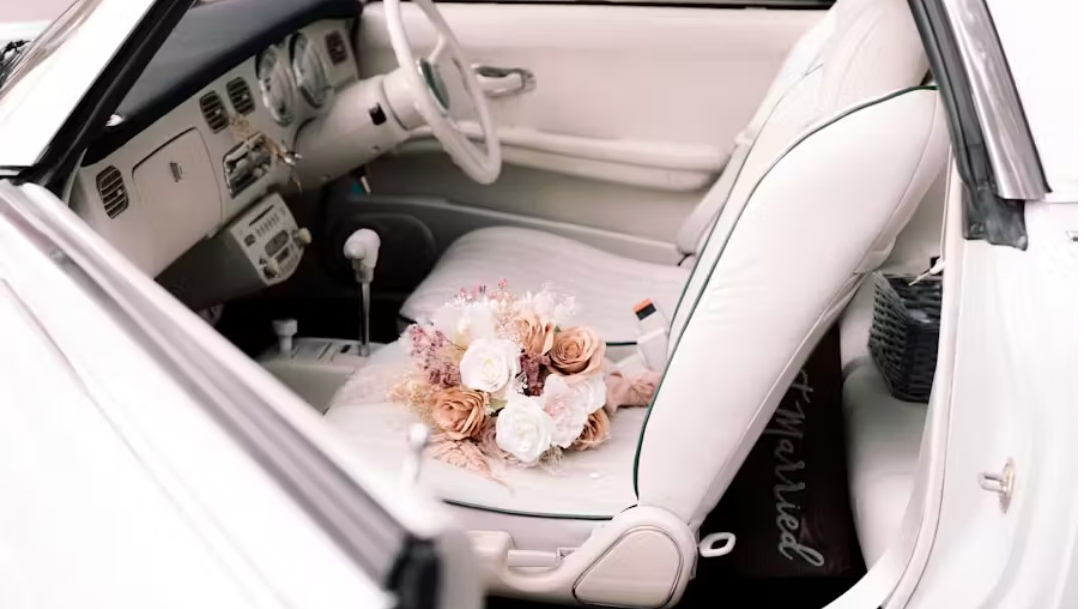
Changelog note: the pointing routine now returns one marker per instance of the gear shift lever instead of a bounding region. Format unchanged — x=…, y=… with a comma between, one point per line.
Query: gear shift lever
x=362, y=249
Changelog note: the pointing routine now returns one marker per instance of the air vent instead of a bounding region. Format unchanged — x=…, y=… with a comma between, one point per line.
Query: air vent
x=214, y=112
x=336, y=48
x=240, y=96
x=111, y=190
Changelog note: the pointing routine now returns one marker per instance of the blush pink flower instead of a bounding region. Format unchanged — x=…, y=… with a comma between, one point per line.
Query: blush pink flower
x=637, y=391
x=569, y=401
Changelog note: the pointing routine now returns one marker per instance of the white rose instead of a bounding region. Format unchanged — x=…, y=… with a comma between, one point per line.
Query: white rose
x=524, y=430
x=463, y=324
x=550, y=306
x=569, y=403
x=490, y=365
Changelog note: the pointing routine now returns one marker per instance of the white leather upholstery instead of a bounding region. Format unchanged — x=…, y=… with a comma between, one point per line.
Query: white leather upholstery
x=835, y=173
x=761, y=314
x=883, y=440
x=606, y=286
x=803, y=58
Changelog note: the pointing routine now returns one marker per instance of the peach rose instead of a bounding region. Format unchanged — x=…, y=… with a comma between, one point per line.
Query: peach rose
x=576, y=350
x=459, y=412
x=595, y=432
x=535, y=337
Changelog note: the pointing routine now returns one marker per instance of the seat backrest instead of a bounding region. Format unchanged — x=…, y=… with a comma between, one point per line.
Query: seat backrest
x=836, y=171
x=848, y=24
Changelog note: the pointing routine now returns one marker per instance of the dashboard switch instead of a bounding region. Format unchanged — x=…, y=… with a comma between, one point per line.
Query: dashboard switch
x=302, y=237
x=377, y=114
x=271, y=268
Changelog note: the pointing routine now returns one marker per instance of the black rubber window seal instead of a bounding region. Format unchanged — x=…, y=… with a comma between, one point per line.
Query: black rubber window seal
x=987, y=215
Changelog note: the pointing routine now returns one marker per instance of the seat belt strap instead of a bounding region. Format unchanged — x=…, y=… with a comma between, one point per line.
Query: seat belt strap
x=939, y=264
x=654, y=335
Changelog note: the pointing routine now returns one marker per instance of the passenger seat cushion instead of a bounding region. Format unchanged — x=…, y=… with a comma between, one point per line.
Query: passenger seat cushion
x=593, y=484
x=606, y=286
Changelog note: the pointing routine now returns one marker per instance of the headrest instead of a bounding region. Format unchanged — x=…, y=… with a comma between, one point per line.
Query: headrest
x=874, y=50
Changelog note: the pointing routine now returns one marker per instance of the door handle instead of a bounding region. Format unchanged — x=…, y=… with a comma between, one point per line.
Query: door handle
x=502, y=82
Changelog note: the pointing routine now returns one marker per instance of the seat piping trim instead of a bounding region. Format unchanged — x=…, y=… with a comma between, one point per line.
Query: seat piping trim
x=486, y=508
x=850, y=111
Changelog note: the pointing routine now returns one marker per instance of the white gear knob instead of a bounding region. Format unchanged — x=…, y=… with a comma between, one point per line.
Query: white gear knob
x=363, y=247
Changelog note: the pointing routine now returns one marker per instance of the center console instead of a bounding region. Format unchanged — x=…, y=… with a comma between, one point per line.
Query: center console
x=261, y=247
x=315, y=368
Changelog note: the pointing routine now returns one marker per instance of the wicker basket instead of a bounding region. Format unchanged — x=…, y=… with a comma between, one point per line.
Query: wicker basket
x=903, y=339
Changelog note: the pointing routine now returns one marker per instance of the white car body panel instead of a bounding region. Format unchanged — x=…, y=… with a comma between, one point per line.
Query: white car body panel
x=1006, y=387
x=20, y=30
x=1032, y=33
x=1014, y=396
x=116, y=503
x=33, y=109
x=268, y=547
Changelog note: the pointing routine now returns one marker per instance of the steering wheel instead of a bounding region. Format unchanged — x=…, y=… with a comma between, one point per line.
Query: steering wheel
x=424, y=82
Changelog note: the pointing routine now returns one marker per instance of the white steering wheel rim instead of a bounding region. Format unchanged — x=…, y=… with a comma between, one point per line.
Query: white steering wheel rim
x=482, y=167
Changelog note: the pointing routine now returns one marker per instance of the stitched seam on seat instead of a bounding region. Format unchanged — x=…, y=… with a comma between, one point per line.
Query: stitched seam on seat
x=474, y=506
x=849, y=112
x=854, y=57
x=475, y=257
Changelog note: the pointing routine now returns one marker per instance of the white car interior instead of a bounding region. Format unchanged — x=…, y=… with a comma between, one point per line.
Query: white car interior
x=312, y=175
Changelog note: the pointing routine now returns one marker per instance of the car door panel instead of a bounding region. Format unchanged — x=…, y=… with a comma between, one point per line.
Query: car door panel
x=144, y=461
x=630, y=119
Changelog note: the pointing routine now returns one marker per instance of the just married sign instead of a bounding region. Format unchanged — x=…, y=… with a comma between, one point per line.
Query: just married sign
x=789, y=504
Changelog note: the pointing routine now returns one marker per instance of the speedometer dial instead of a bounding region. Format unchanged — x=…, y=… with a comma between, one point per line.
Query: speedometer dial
x=308, y=71
x=276, y=86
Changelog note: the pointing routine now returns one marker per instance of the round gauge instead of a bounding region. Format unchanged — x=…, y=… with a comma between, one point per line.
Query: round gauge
x=309, y=71
x=276, y=86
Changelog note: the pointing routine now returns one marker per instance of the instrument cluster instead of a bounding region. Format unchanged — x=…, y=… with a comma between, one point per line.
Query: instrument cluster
x=289, y=74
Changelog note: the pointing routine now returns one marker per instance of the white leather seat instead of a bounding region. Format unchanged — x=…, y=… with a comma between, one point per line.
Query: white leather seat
x=606, y=286
x=847, y=151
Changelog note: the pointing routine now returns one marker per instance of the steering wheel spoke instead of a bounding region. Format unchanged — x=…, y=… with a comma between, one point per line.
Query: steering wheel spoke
x=430, y=95
x=440, y=52
x=472, y=148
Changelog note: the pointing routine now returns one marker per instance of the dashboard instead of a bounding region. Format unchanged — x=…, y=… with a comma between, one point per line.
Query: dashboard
x=203, y=143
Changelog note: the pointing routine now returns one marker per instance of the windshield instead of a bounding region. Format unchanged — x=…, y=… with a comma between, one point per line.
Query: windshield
x=25, y=58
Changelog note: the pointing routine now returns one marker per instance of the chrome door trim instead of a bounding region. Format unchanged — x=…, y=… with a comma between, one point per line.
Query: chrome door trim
x=1017, y=169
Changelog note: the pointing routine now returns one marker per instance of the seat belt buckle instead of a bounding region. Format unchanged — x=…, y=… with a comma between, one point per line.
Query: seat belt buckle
x=654, y=334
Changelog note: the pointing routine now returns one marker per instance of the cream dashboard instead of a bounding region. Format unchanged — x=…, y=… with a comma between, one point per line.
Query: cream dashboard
x=205, y=138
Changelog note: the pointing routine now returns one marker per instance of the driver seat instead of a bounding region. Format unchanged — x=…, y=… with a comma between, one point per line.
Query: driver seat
x=836, y=172
x=606, y=285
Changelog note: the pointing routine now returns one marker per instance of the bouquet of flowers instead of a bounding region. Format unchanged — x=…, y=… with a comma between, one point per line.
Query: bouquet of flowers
x=500, y=376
